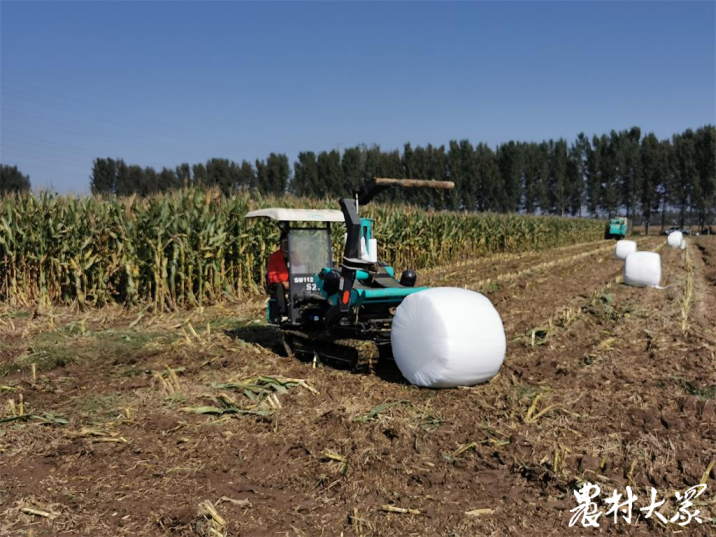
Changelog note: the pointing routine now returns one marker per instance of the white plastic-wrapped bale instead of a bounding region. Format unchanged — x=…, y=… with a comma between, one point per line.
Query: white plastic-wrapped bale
x=373, y=250
x=674, y=239
x=446, y=337
x=624, y=248
x=642, y=269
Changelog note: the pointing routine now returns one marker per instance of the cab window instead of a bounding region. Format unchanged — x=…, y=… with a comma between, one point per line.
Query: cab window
x=309, y=250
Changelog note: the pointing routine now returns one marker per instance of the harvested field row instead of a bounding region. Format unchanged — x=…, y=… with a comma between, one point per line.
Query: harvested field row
x=575, y=280
x=617, y=394
x=486, y=279
x=474, y=268
x=605, y=375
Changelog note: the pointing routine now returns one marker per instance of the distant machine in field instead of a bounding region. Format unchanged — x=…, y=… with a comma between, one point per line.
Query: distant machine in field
x=617, y=228
x=642, y=269
x=624, y=248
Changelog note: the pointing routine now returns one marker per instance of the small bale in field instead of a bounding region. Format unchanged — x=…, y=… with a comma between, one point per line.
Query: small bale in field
x=674, y=239
x=624, y=248
x=642, y=269
x=447, y=337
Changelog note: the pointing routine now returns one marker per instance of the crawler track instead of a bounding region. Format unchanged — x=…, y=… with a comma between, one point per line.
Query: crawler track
x=357, y=354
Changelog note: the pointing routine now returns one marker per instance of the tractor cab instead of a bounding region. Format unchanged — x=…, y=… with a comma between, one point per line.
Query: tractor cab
x=309, y=252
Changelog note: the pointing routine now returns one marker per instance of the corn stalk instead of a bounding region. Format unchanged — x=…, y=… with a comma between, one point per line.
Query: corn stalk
x=192, y=247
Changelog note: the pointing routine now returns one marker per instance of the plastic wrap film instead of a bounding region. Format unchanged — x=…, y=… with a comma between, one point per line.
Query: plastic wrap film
x=624, y=248
x=674, y=239
x=642, y=269
x=447, y=337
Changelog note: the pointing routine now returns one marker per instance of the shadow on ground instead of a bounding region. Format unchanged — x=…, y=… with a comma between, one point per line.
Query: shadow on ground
x=269, y=337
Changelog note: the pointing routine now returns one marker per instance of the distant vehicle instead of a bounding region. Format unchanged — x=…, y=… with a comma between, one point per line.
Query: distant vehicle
x=686, y=231
x=670, y=230
x=618, y=228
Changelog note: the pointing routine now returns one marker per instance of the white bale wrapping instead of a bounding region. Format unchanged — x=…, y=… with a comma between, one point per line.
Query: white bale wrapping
x=642, y=269
x=624, y=248
x=674, y=239
x=683, y=244
x=363, y=250
x=447, y=337
x=373, y=250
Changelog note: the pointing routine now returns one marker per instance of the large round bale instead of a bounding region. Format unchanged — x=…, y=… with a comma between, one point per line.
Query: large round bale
x=674, y=239
x=446, y=337
x=642, y=269
x=624, y=248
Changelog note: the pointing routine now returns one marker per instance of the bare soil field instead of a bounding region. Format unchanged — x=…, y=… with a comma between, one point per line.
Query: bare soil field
x=117, y=422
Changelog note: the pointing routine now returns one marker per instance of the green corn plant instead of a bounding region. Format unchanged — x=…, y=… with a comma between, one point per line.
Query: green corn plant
x=193, y=246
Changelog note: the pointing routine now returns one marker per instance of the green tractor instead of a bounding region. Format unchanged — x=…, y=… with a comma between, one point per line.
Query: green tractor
x=344, y=312
x=618, y=228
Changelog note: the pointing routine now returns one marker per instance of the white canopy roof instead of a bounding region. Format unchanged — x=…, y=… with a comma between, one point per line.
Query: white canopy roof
x=299, y=215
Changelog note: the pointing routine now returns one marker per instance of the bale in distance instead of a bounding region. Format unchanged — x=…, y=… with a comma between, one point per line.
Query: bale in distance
x=624, y=248
x=642, y=269
x=447, y=337
x=674, y=239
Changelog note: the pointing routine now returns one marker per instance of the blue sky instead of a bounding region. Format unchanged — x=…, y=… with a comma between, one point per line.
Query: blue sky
x=160, y=83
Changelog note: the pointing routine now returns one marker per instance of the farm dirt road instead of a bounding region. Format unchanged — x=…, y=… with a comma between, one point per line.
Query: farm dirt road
x=602, y=383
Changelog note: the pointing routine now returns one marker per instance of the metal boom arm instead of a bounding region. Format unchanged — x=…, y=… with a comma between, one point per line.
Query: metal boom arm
x=376, y=185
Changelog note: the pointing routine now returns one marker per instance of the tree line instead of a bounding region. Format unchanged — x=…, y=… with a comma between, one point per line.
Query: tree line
x=623, y=172
x=13, y=180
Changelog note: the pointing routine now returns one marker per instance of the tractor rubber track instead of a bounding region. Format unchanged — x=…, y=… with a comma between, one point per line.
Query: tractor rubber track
x=359, y=354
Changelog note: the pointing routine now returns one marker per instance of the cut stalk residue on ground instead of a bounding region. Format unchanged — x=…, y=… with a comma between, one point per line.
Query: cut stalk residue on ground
x=252, y=442
x=688, y=289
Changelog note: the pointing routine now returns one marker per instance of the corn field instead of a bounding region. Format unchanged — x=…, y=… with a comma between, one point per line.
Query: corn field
x=193, y=247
